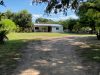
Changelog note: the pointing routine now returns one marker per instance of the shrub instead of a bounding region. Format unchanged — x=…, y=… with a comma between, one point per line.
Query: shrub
x=6, y=26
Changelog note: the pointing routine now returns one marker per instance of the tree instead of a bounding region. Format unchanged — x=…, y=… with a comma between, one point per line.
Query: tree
x=24, y=20
x=89, y=13
x=71, y=23
x=9, y=14
x=64, y=23
x=77, y=27
x=59, y=5
x=2, y=16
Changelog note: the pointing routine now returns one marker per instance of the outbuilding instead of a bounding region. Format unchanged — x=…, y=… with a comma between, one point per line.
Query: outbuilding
x=48, y=28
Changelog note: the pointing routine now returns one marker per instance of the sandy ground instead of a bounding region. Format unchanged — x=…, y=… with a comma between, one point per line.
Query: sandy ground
x=55, y=56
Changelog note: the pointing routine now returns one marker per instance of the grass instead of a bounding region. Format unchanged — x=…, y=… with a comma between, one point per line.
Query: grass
x=9, y=56
x=92, y=53
x=10, y=52
x=14, y=36
x=32, y=35
x=91, y=49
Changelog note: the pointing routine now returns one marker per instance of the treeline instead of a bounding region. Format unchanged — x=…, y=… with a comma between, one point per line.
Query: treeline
x=22, y=19
x=14, y=22
x=70, y=25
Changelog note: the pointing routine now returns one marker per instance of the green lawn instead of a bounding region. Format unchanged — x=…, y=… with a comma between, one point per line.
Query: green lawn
x=10, y=52
x=29, y=36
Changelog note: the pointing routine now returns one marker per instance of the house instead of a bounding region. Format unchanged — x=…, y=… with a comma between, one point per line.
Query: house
x=48, y=28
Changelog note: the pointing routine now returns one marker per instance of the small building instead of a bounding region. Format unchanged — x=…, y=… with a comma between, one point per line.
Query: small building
x=48, y=28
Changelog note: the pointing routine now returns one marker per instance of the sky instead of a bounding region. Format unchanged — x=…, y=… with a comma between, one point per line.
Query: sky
x=36, y=10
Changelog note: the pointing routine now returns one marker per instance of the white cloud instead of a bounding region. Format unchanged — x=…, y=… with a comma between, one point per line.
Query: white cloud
x=68, y=17
x=35, y=16
x=55, y=19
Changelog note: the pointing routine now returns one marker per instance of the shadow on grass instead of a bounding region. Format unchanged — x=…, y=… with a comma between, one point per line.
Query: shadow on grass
x=90, y=49
x=10, y=55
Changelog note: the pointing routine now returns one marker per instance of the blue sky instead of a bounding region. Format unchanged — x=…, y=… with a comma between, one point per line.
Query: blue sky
x=36, y=10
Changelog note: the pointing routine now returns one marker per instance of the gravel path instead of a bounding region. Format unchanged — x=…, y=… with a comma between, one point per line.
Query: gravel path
x=52, y=57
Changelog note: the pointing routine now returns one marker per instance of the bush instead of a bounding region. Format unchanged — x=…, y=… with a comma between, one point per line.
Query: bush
x=6, y=26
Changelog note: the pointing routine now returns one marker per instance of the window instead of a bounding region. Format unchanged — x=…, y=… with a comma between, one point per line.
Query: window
x=57, y=28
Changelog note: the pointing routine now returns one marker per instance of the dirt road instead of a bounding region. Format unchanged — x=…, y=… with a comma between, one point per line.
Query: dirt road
x=53, y=57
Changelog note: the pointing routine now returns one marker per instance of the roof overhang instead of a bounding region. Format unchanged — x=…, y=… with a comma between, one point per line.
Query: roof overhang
x=52, y=25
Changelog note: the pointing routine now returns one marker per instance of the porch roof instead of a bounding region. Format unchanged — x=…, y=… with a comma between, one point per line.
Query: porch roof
x=56, y=25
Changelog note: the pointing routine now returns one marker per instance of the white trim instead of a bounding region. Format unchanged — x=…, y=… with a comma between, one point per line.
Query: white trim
x=47, y=25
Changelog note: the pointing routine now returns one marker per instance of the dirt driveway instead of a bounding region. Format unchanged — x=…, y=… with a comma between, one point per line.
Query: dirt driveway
x=53, y=57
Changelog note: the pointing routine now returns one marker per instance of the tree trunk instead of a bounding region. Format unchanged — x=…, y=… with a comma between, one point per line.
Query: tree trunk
x=98, y=35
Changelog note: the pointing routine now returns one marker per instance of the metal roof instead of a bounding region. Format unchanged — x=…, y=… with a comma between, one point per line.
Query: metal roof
x=56, y=25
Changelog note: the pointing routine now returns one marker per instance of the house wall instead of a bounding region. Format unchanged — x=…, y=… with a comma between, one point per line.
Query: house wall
x=41, y=29
x=57, y=29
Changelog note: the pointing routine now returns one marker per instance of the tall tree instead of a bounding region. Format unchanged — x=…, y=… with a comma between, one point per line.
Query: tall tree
x=89, y=13
x=9, y=14
x=71, y=23
x=23, y=19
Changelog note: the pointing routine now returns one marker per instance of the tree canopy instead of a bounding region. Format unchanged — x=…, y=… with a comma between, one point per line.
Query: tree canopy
x=2, y=3
x=89, y=14
x=59, y=5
